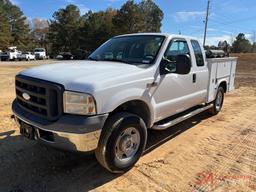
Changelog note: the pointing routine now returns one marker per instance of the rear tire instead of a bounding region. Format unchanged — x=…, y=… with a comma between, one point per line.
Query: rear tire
x=122, y=142
x=218, y=102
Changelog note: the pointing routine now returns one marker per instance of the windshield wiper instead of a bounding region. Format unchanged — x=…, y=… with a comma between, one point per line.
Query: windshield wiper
x=92, y=59
x=114, y=60
x=118, y=60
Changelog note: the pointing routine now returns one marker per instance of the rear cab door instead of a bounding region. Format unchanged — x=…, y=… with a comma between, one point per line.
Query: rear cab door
x=200, y=72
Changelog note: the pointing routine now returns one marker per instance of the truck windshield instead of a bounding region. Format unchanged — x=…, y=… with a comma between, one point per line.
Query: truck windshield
x=39, y=50
x=134, y=49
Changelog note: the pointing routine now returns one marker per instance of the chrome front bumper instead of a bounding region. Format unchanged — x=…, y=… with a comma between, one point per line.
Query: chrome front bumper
x=70, y=132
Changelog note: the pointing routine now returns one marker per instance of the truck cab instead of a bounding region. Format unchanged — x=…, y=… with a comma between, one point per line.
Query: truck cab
x=130, y=84
x=40, y=53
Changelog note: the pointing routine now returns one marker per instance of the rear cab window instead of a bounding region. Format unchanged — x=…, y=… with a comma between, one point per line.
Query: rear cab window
x=198, y=53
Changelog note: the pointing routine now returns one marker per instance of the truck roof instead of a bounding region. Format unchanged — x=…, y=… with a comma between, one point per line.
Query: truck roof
x=161, y=34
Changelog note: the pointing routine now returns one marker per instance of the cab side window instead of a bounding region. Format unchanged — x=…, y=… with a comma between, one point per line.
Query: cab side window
x=198, y=53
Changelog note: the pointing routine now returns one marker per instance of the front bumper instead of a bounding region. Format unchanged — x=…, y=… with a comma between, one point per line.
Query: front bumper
x=69, y=132
x=38, y=56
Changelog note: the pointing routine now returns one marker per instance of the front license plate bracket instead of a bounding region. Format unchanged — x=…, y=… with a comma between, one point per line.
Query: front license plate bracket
x=27, y=130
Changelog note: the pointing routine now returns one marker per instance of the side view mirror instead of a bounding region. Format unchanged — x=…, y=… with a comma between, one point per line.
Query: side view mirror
x=182, y=65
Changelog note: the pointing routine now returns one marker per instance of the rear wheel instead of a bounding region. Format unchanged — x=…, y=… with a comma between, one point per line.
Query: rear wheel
x=122, y=142
x=218, y=102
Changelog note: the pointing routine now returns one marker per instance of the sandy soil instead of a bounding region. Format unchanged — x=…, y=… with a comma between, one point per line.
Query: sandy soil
x=203, y=153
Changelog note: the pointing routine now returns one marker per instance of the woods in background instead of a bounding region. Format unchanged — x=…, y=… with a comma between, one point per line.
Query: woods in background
x=69, y=31
x=75, y=33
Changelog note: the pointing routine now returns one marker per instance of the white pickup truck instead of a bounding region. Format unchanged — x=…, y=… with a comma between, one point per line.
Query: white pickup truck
x=40, y=53
x=130, y=84
x=11, y=54
x=26, y=56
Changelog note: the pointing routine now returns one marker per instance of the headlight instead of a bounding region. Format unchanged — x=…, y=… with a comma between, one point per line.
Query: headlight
x=78, y=103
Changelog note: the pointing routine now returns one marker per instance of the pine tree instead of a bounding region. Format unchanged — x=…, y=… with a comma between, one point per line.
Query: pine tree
x=5, y=33
x=19, y=29
x=63, y=30
x=241, y=44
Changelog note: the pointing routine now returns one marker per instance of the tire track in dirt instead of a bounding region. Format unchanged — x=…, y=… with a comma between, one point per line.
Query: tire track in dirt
x=244, y=140
x=228, y=163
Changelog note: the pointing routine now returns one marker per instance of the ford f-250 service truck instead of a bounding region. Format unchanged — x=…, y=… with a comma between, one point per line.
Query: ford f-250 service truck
x=130, y=84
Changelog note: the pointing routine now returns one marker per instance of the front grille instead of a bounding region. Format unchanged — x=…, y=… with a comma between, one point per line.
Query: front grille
x=45, y=98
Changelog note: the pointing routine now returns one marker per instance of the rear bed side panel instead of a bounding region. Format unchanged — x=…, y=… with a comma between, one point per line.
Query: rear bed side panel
x=220, y=70
x=212, y=66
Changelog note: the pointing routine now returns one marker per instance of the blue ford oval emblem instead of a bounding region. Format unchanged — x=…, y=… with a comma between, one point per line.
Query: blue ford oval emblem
x=26, y=96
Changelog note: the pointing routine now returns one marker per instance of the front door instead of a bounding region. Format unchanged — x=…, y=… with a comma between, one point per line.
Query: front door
x=175, y=93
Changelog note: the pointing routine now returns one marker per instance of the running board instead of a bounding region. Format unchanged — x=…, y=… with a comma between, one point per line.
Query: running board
x=181, y=118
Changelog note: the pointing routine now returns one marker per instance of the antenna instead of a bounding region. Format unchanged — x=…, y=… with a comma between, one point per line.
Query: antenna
x=206, y=20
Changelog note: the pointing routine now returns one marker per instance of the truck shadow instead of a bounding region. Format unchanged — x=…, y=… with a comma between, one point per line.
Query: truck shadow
x=157, y=138
x=29, y=166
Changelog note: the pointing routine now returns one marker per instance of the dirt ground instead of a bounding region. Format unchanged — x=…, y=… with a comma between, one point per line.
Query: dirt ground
x=203, y=153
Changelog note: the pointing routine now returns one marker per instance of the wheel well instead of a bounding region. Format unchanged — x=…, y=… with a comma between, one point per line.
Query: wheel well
x=137, y=107
x=223, y=85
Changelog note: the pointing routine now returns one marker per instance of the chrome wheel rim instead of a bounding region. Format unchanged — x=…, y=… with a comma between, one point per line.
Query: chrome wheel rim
x=127, y=144
x=219, y=101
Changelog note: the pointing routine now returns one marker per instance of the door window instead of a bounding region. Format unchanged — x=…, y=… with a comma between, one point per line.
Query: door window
x=175, y=48
x=198, y=53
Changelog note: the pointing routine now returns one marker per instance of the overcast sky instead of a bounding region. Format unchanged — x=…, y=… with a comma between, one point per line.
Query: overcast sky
x=227, y=17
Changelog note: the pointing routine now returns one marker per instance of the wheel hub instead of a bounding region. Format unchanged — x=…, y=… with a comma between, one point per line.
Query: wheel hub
x=127, y=144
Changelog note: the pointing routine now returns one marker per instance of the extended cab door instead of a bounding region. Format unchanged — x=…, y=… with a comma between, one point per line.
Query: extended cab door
x=176, y=93
x=200, y=72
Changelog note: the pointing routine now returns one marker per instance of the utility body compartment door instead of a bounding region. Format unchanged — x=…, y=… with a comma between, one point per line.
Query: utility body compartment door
x=231, y=86
x=220, y=69
x=212, y=81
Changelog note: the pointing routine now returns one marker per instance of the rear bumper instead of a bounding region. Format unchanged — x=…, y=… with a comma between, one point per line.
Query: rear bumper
x=69, y=132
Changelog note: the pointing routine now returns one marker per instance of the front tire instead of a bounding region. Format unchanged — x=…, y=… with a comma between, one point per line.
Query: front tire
x=218, y=102
x=122, y=142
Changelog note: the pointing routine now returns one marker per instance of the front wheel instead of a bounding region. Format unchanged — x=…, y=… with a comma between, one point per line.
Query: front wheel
x=122, y=142
x=218, y=102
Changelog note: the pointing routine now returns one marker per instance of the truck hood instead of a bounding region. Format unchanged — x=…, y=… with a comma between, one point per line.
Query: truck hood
x=86, y=76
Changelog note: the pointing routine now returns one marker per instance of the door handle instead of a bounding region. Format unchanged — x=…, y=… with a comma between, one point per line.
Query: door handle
x=194, y=77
